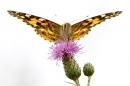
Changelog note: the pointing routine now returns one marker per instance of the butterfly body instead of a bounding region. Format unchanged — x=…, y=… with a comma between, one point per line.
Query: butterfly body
x=52, y=31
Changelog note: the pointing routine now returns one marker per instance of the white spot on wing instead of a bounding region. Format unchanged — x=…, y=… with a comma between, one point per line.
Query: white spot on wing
x=22, y=17
x=107, y=17
x=89, y=19
x=28, y=15
x=103, y=15
x=41, y=19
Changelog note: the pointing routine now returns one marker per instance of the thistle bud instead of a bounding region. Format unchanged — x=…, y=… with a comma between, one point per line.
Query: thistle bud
x=88, y=69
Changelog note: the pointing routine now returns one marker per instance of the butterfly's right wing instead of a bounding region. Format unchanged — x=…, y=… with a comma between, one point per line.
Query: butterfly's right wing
x=45, y=28
x=82, y=28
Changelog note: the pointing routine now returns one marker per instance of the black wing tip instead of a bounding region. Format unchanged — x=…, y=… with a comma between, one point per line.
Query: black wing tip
x=118, y=12
x=11, y=12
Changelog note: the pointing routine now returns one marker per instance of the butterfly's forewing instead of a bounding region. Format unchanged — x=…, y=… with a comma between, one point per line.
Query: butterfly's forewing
x=45, y=28
x=82, y=28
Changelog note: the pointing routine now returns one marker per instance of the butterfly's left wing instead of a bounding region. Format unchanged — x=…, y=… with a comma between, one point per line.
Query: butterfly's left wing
x=45, y=28
x=82, y=28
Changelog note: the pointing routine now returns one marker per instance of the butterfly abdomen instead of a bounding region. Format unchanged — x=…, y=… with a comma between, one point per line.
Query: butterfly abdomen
x=66, y=31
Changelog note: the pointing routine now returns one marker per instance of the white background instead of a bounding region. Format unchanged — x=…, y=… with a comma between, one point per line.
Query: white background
x=24, y=55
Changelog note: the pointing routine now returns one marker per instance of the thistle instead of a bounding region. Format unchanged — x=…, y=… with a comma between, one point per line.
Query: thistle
x=65, y=51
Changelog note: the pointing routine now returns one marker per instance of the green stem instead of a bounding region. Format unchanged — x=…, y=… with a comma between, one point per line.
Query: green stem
x=89, y=78
x=77, y=82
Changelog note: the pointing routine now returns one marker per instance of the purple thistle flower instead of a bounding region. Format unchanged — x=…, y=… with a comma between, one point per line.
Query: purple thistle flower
x=63, y=47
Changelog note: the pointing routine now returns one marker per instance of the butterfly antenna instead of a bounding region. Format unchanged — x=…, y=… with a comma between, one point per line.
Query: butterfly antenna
x=78, y=19
x=59, y=18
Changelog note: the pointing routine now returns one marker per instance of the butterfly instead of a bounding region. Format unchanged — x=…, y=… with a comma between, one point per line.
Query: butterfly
x=52, y=31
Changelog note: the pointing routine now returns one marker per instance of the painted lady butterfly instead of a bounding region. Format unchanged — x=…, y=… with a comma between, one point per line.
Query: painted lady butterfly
x=52, y=31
